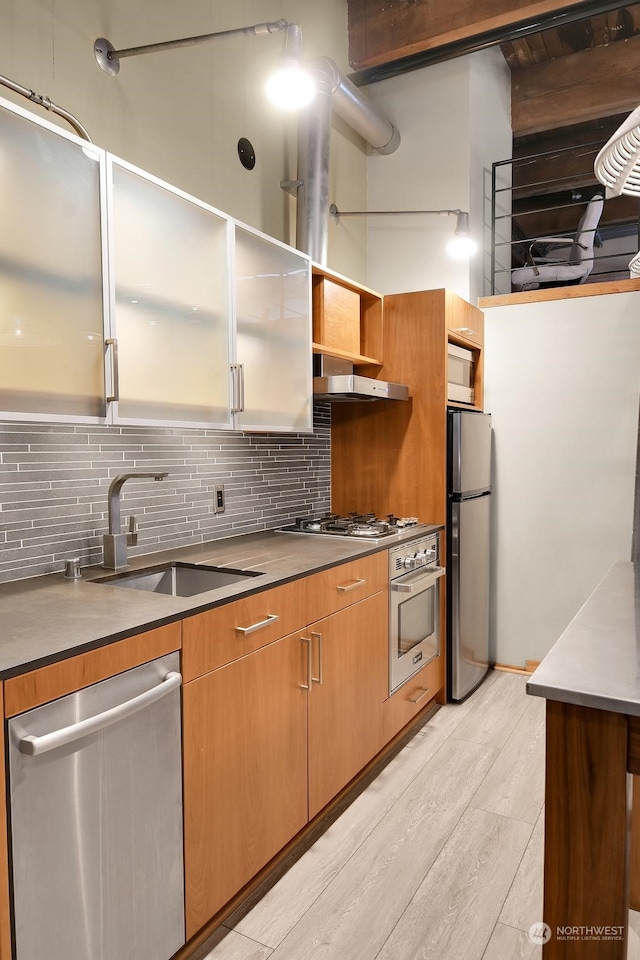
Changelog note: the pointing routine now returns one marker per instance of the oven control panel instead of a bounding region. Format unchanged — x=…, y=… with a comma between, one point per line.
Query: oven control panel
x=413, y=555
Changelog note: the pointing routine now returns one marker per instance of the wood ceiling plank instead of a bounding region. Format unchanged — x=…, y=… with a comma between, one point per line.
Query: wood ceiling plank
x=584, y=86
x=381, y=31
x=600, y=29
x=510, y=55
x=553, y=44
x=522, y=50
x=538, y=48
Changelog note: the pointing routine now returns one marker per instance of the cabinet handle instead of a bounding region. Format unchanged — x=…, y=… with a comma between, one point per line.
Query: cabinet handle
x=318, y=636
x=307, y=685
x=115, y=372
x=350, y=585
x=420, y=696
x=464, y=330
x=237, y=374
x=270, y=618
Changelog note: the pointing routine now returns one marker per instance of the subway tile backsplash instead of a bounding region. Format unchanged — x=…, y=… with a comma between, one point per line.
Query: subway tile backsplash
x=54, y=481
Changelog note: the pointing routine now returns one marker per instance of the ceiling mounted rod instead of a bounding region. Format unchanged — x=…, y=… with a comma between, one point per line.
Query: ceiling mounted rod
x=48, y=104
x=109, y=58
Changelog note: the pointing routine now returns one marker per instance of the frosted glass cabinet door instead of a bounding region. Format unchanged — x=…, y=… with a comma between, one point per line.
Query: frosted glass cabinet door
x=273, y=330
x=170, y=281
x=51, y=302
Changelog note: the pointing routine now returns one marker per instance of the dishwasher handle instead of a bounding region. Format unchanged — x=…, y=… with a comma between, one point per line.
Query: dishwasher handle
x=34, y=746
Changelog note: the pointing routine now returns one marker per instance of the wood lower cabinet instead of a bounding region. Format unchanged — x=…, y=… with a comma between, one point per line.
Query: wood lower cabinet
x=245, y=764
x=271, y=737
x=346, y=700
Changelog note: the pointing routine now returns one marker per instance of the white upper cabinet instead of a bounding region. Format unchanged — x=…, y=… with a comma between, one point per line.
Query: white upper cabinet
x=125, y=300
x=274, y=383
x=169, y=257
x=51, y=273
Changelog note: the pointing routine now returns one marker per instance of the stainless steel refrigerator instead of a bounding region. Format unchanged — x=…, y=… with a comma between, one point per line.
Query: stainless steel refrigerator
x=468, y=534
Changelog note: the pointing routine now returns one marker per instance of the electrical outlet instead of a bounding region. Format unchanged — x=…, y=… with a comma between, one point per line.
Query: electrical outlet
x=218, y=498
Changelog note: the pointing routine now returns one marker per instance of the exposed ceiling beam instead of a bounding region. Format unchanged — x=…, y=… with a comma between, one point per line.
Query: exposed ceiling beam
x=390, y=38
x=583, y=86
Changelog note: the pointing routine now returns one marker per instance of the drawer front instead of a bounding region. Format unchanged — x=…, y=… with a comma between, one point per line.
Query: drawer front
x=219, y=636
x=413, y=697
x=341, y=586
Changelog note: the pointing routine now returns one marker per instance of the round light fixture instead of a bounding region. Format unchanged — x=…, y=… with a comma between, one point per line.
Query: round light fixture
x=461, y=247
x=290, y=87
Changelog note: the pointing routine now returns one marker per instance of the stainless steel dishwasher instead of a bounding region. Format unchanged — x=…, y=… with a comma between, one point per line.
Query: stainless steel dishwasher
x=96, y=821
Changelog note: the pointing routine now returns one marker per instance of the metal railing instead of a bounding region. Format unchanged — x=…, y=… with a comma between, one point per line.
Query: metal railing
x=530, y=204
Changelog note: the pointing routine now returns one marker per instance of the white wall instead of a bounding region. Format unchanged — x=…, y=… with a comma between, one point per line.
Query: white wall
x=179, y=114
x=454, y=119
x=562, y=383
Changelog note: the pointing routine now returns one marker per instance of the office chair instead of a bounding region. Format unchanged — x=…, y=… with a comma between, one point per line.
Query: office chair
x=542, y=271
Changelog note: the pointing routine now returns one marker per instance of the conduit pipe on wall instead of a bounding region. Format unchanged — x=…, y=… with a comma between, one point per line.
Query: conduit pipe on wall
x=48, y=104
x=334, y=91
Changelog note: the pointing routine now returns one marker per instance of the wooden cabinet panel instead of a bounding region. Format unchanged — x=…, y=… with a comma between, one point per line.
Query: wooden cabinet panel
x=245, y=763
x=464, y=320
x=413, y=697
x=336, y=316
x=407, y=475
x=48, y=683
x=341, y=586
x=347, y=318
x=216, y=637
x=345, y=706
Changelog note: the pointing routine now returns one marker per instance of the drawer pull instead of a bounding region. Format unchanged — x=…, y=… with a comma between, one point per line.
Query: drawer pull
x=420, y=696
x=269, y=619
x=350, y=585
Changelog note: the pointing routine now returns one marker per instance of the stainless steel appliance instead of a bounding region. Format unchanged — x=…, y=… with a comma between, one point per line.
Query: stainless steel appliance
x=363, y=525
x=96, y=820
x=460, y=374
x=468, y=530
x=334, y=379
x=414, y=608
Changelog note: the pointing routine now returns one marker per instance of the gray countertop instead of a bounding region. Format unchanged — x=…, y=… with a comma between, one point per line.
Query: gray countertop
x=596, y=661
x=49, y=618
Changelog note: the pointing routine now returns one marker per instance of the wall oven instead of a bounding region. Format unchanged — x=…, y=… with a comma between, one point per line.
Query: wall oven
x=414, y=608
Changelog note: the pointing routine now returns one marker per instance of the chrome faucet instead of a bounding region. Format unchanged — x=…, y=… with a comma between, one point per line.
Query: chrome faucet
x=115, y=542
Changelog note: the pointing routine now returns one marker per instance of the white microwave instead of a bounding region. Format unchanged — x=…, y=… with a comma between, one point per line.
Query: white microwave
x=460, y=374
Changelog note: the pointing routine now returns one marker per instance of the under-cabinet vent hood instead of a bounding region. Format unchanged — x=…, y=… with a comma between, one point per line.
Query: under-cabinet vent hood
x=334, y=380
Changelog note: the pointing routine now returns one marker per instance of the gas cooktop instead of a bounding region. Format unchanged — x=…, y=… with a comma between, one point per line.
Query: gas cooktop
x=363, y=525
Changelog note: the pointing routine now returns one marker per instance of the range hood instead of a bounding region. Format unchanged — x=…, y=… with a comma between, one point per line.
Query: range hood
x=334, y=380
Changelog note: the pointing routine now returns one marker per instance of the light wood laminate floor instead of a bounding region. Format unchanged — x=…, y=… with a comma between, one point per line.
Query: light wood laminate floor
x=440, y=858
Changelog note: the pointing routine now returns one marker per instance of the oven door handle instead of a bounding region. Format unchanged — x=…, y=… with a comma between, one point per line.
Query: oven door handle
x=420, y=583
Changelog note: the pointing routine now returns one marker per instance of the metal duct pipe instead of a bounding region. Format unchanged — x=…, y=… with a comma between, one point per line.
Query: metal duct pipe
x=47, y=104
x=314, y=141
x=314, y=138
x=356, y=110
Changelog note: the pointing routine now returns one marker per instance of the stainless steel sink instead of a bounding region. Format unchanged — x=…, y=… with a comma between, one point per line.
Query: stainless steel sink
x=177, y=579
